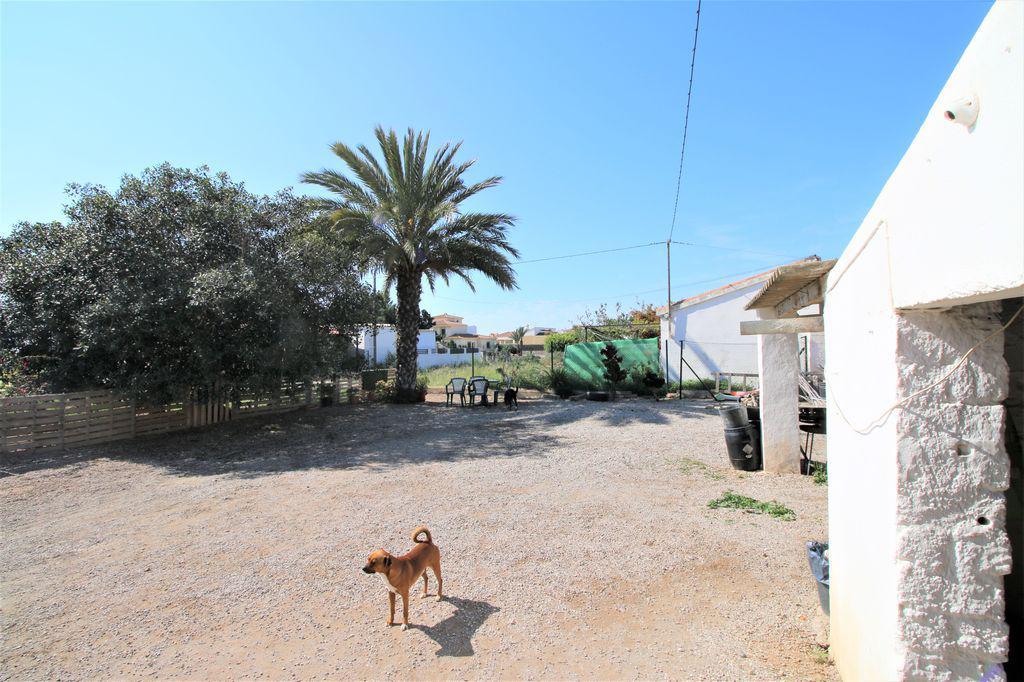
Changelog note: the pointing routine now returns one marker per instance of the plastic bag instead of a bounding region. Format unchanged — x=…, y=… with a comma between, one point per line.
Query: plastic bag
x=817, y=557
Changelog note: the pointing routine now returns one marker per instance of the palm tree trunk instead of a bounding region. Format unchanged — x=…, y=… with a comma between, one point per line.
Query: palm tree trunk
x=409, y=289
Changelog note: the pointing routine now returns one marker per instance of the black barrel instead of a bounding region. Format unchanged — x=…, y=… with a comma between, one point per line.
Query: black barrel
x=734, y=415
x=744, y=449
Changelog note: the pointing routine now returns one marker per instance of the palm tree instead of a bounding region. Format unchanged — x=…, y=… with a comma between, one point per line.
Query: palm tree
x=517, y=335
x=403, y=216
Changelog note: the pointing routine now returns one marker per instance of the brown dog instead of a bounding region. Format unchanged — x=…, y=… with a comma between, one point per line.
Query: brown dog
x=400, y=573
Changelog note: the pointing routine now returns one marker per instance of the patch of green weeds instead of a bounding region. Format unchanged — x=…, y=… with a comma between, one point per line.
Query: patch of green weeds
x=689, y=466
x=820, y=474
x=819, y=654
x=730, y=500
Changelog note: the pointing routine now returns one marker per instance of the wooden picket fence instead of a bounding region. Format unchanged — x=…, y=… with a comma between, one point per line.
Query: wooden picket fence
x=63, y=420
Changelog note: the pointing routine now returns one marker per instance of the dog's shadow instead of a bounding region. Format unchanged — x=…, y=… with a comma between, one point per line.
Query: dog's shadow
x=454, y=634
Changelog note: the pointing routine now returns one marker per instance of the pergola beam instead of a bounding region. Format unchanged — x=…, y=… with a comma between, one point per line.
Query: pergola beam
x=810, y=294
x=787, y=325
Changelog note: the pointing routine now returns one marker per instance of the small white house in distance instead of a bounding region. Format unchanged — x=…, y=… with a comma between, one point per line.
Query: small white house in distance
x=706, y=329
x=386, y=342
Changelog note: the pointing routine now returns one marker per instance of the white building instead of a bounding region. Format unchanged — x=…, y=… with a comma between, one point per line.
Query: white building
x=387, y=340
x=428, y=354
x=706, y=328
x=452, y=324
x=925, y=373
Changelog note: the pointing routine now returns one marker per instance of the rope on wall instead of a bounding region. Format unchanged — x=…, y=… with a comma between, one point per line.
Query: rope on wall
x=881, y=419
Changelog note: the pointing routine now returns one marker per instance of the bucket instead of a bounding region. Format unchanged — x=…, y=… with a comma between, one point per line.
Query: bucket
x=744, y=450
x=734, y=416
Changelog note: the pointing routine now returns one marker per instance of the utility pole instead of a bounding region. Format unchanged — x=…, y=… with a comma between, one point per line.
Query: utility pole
x=375, y=319
x=668, y=308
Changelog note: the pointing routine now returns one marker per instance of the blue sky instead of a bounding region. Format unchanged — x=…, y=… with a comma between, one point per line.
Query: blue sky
x=800, y=112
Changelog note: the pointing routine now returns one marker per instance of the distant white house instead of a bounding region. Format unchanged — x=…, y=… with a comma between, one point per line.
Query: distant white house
x=387, y=342
x=706, y=328
x=452, y=324
x=428, y=354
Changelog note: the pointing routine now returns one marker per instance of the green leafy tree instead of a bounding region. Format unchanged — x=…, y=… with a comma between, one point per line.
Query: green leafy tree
x=402, y=213
x=639, y=323
x=426, y=320
x=383, y=310
x=179, y=279
x=559, y=340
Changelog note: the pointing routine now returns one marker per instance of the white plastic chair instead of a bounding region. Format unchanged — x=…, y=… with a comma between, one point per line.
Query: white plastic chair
x=478, y=389
x=455, y=387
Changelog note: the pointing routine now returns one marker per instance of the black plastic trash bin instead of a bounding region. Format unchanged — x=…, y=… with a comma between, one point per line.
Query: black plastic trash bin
x=744, y=446
x=819, y=569
x=734, y=416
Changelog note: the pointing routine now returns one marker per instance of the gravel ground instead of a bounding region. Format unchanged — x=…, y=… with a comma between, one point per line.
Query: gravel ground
x=576, y=541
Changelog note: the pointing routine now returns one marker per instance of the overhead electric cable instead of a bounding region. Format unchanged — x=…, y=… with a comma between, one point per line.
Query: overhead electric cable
x=731, y=248
x=642, y=246
x=609, y=297
x=686, y=125
x=586, y=253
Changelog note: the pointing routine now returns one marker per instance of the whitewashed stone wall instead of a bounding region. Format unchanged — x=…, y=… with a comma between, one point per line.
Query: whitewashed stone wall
x=917, y=514
x=952, y=548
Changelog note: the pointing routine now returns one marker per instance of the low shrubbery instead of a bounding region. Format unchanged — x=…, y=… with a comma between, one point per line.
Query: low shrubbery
x=386, y=391
x=647, y=380
x=535, y=373
x=527, y=371
x=562, y=383
x=820, y=473
x=690, y=385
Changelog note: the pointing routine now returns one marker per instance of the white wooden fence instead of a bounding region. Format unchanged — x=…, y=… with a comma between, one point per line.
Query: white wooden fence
x=748, y=380
x=63, y=420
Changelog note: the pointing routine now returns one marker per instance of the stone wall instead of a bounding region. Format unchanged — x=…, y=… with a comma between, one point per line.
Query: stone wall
x=952, y=546
x=1013, y=353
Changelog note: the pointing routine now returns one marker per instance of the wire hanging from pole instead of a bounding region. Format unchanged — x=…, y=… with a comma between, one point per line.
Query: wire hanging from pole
x=686, y=125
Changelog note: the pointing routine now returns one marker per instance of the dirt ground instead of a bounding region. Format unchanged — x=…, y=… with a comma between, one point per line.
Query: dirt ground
x=576, y=543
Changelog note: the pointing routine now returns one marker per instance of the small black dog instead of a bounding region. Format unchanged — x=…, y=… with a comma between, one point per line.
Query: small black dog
x=512, y=398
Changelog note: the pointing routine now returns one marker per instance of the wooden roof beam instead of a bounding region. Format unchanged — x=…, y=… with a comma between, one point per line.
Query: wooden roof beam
x=785, y=325
x=810, y=294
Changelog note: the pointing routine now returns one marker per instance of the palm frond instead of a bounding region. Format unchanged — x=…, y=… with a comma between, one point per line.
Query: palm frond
x=399, y=210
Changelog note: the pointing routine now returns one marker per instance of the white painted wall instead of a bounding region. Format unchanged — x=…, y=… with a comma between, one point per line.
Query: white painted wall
x=386, y=342
x=915, y=581
x=709, y=333
x=425, y=360
x=860, y=339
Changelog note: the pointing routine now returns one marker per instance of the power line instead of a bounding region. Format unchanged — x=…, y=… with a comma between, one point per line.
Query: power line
x=730, y=248
x=686, y=125
x=609, y=297
x=643, y=246
x=586, y=253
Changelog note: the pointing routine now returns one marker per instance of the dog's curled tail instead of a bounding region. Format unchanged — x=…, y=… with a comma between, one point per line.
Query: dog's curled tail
x=425, y=531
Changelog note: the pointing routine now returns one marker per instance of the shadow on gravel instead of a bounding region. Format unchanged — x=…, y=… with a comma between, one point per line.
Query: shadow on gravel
x=362, y=435
x=454, y=634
